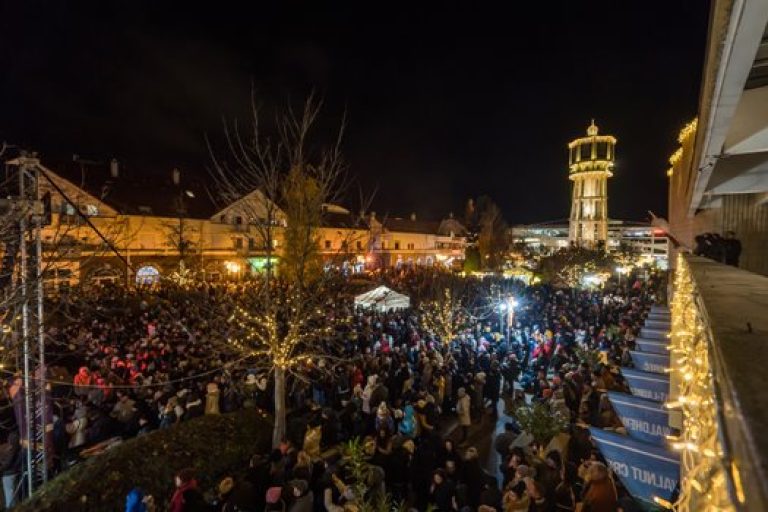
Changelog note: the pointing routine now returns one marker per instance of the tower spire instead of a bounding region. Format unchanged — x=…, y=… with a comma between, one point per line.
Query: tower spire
x=592, y=129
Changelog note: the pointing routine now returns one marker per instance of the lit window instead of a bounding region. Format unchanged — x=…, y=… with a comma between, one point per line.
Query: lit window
x=147, y=275
x=91, y=210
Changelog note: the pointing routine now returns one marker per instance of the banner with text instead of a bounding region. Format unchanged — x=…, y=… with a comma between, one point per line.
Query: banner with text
x=651, y=346
x=646, y=470
x=645, y=420
x=651, y=386
x=647, y=362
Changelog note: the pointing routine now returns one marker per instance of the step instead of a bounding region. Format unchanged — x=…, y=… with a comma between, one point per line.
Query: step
x=647, y=362
x=659, y=309
x=651, y=346
x=659, y=316
x=654, y=334
x=662, y=325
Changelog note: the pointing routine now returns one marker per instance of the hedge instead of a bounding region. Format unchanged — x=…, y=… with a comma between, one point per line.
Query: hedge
x=216, y=446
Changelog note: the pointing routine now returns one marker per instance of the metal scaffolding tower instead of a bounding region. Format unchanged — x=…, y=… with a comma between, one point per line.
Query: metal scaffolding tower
x=25, y=259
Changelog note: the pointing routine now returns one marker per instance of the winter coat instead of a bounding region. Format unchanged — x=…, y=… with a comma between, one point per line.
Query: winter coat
x=76, y=430
x=187, y=498
x=600, y=496
x=463, y=410
x=408, y=423
x=304, y=503
x=134, y=503
x=212, y=399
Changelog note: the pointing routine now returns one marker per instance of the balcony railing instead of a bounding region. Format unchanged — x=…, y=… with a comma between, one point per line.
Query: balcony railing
x=719, y=359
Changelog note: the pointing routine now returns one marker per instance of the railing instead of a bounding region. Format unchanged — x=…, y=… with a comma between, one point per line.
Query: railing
x=719, y=359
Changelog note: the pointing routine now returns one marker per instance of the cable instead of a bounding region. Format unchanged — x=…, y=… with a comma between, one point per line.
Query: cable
x=134, y=386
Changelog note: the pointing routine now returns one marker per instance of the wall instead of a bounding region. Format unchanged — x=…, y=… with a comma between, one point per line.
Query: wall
x=744, y=215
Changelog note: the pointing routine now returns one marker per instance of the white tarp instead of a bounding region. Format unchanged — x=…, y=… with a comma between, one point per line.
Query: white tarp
x=383, y=299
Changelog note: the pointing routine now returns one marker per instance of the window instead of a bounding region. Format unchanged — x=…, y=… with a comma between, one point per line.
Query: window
x=410, y=246
x=251, y=244
x=397, y=245
x=344, y=245
x=384, y=245
x=147, y=275
x=238, y=220
x=359, y=245
x=91, y=210
x=327, y=244
x=274, y=242
x=223, y=219
x=105, y=274
x=238, y=243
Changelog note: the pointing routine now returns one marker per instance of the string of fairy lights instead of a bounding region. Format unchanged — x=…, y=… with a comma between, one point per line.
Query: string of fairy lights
x=442, y=317
x=688, y=131
x=284, y=343
x=704, y=474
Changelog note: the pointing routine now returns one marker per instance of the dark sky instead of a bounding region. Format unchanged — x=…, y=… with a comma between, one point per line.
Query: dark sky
x=444, y=102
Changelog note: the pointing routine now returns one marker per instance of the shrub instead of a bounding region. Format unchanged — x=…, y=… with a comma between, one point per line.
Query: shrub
x=216, y=446
x=541, y=422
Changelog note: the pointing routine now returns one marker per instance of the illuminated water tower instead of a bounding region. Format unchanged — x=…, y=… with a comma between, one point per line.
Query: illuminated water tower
x=590, y=164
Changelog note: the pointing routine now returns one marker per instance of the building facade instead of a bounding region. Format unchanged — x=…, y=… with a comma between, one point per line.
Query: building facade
x=718, y=179
x=641, y=238
x=142, y=237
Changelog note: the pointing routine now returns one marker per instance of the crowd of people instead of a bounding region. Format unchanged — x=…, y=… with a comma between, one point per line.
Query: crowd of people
x=129, y=362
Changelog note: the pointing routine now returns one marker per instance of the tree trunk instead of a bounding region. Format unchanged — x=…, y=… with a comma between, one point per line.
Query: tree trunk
x=278, y=432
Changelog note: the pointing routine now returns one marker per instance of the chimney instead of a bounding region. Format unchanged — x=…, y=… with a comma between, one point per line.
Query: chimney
x=413, y=217
x=176, y=176
x=114, y=168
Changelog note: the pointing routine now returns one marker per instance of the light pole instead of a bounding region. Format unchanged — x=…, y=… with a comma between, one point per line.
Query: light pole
x=502, y=309
x=511, y=305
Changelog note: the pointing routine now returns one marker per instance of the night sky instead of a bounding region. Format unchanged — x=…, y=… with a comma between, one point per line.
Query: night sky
x=443, y=102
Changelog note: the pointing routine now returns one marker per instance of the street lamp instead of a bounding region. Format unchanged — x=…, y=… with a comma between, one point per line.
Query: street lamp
x=622, y=270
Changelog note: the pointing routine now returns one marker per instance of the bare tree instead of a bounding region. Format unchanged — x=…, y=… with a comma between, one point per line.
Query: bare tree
x=491, y=241
x=280, y=186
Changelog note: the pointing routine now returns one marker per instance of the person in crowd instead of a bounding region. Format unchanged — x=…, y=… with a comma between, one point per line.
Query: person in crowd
x=187, y=497
x=463, y=409
x=599, y=491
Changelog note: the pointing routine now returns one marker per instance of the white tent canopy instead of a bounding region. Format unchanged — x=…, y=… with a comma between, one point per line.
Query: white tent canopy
x=383, y=299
